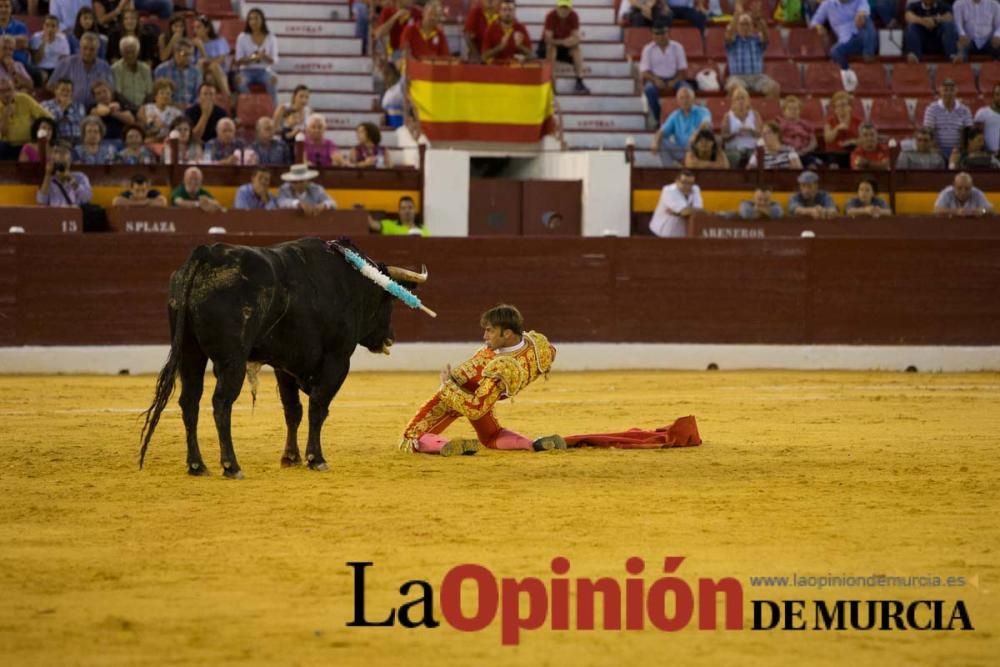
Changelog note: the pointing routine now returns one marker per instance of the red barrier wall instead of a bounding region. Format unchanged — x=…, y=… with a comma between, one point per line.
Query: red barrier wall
x=111, y=289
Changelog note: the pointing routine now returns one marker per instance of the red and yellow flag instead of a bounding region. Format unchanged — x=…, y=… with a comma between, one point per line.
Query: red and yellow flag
x=494, y=103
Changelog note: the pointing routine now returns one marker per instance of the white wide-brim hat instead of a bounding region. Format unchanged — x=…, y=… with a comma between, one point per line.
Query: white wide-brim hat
x=300, y=172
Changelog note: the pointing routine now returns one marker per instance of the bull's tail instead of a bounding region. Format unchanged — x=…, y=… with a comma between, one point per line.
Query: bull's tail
x=168, y=374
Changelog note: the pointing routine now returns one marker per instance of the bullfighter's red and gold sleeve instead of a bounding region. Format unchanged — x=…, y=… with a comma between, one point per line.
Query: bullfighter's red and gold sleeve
x=470, y=405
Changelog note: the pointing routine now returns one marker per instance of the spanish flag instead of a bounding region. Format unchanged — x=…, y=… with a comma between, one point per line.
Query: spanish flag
x=494, y=103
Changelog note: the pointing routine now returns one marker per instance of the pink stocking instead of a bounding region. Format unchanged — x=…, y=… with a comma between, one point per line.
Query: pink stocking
x=506, y=439
x=430, y=443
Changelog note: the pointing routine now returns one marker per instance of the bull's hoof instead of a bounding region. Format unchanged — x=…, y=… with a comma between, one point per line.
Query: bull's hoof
x=319, y=466
x=291, y=461
x=232, y=474
x=198, y=470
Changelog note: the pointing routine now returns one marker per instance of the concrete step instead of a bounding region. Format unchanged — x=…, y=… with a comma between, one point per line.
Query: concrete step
x=347, y=119
x=324, y=65
x=577, y=4
x=609, y=68
x=597, y=86
x=314, y=28
x=594, y=32
x=600, y=103
x=607, y=140
x=320, y=46
x=298, y=10
x=634, y=122
x=348, y=138
x=603, y=51
x=599, y=15
x=361, y=83
x=353, y=100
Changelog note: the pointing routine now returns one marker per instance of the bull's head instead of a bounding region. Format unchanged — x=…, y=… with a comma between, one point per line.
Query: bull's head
x=381, y=337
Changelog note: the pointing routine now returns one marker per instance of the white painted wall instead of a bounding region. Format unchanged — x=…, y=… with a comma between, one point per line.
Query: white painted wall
x=446, y=192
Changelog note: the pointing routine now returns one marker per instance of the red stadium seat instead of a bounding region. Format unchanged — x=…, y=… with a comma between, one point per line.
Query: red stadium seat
x=690, y=39
x=922, y=104
x=812, y=111
x=824, y=78
x=889, y=114
x=718, y=106
x=635, y=40
x=230, y=29
x=251, y=106
x=667, y=106
x=910, y=79
x=989, y=76
x=871, y=79
x=962, y=74
x=805, y=43
x=787, y=74
x=33, y=23
x=215, y=7
x=715, y=44
x=768, y=107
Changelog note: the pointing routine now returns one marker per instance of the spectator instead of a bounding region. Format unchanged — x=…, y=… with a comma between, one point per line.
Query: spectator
x=841, y=130
x=188, y=148
x=930, y=28
x=191, y=194
x=256, y=54
x=978, y=25
x=9, y=26
x=925, y=155
x=424, y=39
x=115, y=113
x=45, y=127
x=798, y=134
x=169, y=41
x=290, y=118
x=851, y=22
x=662, y=68
x=369, y=152
x=10, y=69
x=678, y=203
x=67, y=112
x=810, y=200
x=18, y=113
x=298, y=192
x=158, y=115
x=255, y=195
x=761, y=207
x=396, y=15
x=86, y=22
x=946, y=117
x=561, y=40
x=406, y=225
x=206, y=114
x=705, y=152
x=49, y=45
x=692, y=11
x=506, y=38
x=226, y=148
x=107, y=14
x=320, y=151
x=885, y=11
x=962, y=199
x=673, y=139
x=60, y=186
x=186, y=77
x=148, y=35
x=989, y=118
x=269, y=150
x=870, y=155
x=82, y=69
x=133, y=78
x=776, y=154
x=393, y=97
x=482, y=15
x=972, y=154
x=67, y=11
x=93, y=149
x=740, y=127
x=867, y=203
x=746, y=40
x=135, y=151
x=644, y=13
x=362, y=22
x=211, y=54
x=139, y=194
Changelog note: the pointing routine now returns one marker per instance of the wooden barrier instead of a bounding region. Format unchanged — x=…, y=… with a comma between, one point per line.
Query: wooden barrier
x=42, y=220
x=98, y=289
x=329, y=224
x=895, y=227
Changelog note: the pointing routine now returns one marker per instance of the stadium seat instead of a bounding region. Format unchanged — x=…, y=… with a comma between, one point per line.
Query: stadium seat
x=805, y=43
x=718, y=106
x=230, y=29
x=690, y=39
x=715, y=44
x=667, y=106
x=922, y=104
x=635, y=40
x=215, y=7
x=787, y=74
x=251, y=106
x=768, y=107
x=871, y=79
x=989, y=76
x=962, y=73
x=812, y=111
x=889, y=114
x=911, y=79
x=33, y=23
x=823, y=77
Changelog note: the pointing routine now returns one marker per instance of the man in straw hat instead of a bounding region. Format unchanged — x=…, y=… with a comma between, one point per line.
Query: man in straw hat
x=299, y=193
x=510, y=360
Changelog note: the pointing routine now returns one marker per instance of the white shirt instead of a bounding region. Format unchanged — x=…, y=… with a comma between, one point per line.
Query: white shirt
x=665, y=221
x=664, y=63
x=991, y=125
x=246, y=48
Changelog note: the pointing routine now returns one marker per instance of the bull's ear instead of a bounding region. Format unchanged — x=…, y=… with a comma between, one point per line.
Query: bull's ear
x=401, y=275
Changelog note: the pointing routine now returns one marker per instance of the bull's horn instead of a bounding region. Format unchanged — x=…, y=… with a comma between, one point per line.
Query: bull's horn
x=405, y=275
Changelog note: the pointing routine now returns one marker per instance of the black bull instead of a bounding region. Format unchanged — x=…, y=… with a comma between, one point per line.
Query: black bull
x=297, y=306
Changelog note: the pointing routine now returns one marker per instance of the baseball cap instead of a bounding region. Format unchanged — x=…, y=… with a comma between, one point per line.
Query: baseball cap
x=564, y=3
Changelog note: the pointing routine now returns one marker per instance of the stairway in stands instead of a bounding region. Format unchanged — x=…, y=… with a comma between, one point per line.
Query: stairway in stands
x=318, y=48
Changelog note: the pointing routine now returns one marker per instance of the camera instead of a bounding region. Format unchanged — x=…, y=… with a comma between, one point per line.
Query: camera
x=60, y=166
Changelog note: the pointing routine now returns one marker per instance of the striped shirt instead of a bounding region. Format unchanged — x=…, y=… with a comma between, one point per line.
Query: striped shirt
x=68, y=120
x=745, y=55
x=979, y=21
x=947, y=123
x=779, y=159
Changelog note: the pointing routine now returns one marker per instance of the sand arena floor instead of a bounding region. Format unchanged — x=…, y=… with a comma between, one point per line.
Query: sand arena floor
x=808, y=473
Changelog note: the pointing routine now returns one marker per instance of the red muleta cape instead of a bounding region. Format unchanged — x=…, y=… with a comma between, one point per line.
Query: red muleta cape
x=682, y=433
